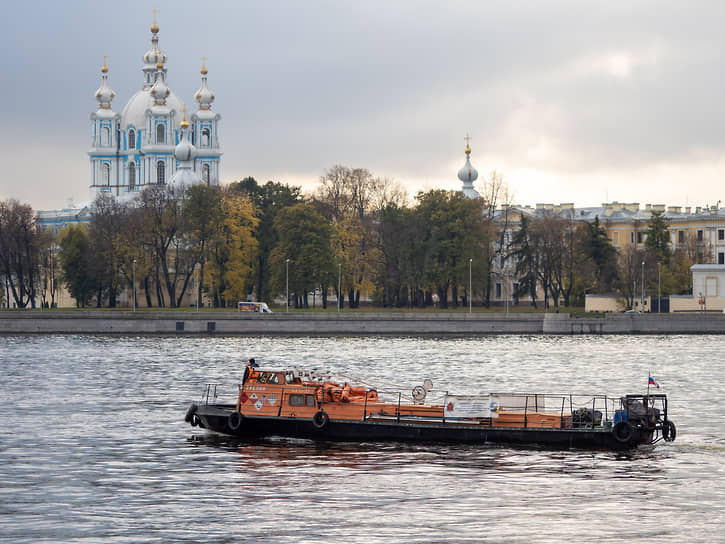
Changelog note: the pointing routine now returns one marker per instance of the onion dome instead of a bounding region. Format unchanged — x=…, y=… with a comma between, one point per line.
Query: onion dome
x=160, y=90
x=104, y=94
x=185, y=153
x=468, y=174
x=185, y=150
x=153, y=56
x=204, y=96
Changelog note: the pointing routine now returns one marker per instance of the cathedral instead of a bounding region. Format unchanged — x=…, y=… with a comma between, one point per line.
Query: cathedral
x=151, y=142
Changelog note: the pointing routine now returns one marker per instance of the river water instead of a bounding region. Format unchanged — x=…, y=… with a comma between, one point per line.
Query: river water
x=93, y=446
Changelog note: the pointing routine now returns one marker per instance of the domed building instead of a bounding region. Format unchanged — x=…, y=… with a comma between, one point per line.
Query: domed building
x=134, y=149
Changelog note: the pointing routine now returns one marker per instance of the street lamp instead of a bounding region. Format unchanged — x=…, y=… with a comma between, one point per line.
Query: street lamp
x=134, y=285
x=470, y=293
x=642, y=304
x=659, y=288
x=286, y=282
x=339, y=284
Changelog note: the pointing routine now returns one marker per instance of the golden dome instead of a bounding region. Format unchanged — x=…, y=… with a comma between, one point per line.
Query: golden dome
x=468, y=150
x=104, y=68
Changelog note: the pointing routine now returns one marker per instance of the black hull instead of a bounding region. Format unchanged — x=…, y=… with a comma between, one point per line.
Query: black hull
x=217, y=418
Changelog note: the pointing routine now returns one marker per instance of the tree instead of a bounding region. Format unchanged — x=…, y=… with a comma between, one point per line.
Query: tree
x=106, y=219
x=232, y=251
x=268, y=200
x=598, y=271
x=165, y=229
x=658, y=237
x=75, y=258
x=204, y=221
x=527, y=260
x=304, y=237
x=454, y=231
x=20, y=244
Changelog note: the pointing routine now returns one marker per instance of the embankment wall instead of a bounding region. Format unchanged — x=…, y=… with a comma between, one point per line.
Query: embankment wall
x=380, y=323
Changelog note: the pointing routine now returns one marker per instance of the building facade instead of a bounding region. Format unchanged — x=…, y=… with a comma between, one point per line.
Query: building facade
x=134, y=149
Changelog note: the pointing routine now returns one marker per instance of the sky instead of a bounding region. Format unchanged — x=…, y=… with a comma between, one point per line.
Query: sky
x=581, y=102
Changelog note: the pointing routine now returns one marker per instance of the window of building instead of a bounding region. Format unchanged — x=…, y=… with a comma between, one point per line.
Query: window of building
x=615, y=238
x=721, y=234
x=131, y=175
x=105, y=174
x=205, y=174
x=205, y=137
x=639, y=237
x=132, y=139
x=721, y=258
x=161, y=172
x=498, y=290
x=631, y=237
x=160, y=134
x=680, y=236
x=699, y=236
x=105, y=137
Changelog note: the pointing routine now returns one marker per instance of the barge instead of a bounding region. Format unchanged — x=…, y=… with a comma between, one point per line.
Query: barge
x=295, y=404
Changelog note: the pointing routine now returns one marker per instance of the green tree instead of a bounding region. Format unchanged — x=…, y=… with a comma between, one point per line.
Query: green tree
x=599, y=270
x=75, y=259
x=304, y=237
x=658, y=237
x=268, y=200
x=526, y=256
x=455, y=231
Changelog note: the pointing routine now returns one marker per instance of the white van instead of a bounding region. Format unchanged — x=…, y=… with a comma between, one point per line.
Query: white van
x=259, y=307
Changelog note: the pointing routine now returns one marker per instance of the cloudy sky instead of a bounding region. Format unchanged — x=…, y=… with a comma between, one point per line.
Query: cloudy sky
x=571, y=101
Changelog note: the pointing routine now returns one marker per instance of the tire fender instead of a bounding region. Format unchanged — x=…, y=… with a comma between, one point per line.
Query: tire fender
x=235, y=421
x=320, y=419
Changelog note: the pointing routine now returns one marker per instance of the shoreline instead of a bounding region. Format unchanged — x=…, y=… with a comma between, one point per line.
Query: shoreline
x=389, y=323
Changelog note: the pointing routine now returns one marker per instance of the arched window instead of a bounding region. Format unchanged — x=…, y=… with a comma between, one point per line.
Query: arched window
x=161, y=172
x=131, y=175
x=105, y=174
x=205, y=137
x=132, y=139
x=160, y=134
x=205, y=174
x=105, y=137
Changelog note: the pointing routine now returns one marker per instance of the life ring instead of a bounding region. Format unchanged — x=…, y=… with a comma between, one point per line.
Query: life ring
x=669, y=431
x=195, y=420
x=234, y=421
x=622, y=432
x=190, y=412
x=320, y=419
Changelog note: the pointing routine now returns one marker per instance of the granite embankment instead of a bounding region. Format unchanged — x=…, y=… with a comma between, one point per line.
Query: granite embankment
x=350, y=323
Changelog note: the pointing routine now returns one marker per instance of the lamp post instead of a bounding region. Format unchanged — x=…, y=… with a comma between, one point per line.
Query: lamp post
x=134, y=285
x=339, y=284
x=642, y=299
x=659, y=288
x=470, y=293
x=286, y=283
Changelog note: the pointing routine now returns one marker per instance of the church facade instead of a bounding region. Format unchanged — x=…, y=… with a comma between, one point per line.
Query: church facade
x=134, y=149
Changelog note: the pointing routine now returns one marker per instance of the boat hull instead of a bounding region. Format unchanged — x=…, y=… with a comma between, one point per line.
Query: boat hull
x=219, y=418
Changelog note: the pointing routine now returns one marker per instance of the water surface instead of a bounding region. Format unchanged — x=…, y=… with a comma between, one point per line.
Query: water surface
x=93, y=446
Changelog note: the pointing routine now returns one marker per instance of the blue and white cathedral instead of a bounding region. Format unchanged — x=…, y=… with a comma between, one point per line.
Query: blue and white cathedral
x=138, y=147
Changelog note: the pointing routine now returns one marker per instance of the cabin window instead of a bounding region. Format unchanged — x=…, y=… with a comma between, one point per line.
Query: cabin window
x=296, y=400
x=310, y=400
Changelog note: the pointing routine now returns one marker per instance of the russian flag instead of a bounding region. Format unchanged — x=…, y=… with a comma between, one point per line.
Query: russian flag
x=653, y=382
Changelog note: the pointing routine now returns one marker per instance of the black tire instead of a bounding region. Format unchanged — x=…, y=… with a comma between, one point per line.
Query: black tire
x=320, y=420
x=190, y=413
x=622, y=432
x=669, y=431
x=234, y=421
x=195, y=420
